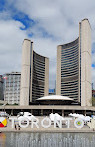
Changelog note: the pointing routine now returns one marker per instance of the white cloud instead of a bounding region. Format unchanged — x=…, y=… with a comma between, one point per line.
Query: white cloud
x=11, y=38
x=59, y=18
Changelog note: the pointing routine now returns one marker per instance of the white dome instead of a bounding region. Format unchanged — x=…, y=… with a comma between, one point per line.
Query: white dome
x=55, y=97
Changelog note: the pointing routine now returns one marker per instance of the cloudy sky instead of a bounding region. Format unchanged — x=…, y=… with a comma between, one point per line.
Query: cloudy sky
x=47, y=23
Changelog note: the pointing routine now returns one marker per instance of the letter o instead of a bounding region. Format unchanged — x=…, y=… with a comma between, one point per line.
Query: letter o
x=46, y=119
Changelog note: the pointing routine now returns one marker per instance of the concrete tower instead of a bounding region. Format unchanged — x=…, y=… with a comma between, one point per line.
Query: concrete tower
x=85, y=62
x=74, y=67
x=25, y=72
x=34, y=75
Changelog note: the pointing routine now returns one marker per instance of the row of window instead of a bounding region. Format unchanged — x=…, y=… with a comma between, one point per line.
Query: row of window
x=70, y=88
x=35, y=60
x=70, y=48
x=69, y=72
x=68, y=83
x=38, y=64
x=73, y=54
x=37, y=91
x=76, y=50
x=38, y=86
x=66, y=70
x=40, y=72
x=38, y=68
x=38, y=77
x=68, y=59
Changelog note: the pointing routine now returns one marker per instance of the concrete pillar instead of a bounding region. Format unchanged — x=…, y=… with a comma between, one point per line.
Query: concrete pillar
x=46, y=89
x=85, y=112
x=12, y=112
x=85, y=48
x=58, y=77
x=31, y=111
x=63, y=113
x=73, y=111
x=25, y=73
x=41, y=112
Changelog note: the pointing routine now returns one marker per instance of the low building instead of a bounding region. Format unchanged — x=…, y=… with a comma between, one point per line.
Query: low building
x=56, y=100
x=12, y=87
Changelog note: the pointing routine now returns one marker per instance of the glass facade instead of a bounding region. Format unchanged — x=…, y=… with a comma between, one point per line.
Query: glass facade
x=12, y=88
x=70, y=69
x=38, y=82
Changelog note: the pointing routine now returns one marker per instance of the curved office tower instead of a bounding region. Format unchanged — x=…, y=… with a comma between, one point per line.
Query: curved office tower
x=69, y=69
x=74, y=67
x=40, y=76
x=34, y=74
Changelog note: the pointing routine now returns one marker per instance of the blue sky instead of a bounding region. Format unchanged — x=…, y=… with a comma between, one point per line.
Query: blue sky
x=47, y=24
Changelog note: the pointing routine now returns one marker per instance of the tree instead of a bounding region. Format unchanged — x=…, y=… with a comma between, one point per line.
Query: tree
x=93, y=101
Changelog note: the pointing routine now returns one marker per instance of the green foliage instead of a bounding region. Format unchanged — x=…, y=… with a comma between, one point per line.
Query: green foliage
x=93, y=101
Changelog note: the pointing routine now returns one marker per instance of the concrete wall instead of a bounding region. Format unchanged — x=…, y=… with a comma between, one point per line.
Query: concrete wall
x=79, y=94
x=25, y=73
x=46, y=90
x=58, y=76
x=85, y=41
x=31, y=77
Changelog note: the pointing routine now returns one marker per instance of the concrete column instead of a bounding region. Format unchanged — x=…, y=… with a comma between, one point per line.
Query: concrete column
x=46, y=89
x=31, y=62
x=85, y=112
x=41, y=112
x=79, y=78
x=25, y=73
x=85, y=47
x=63, y=113
x=31, y=111
x=58, y=77
x=73, y=111
x=12, y=112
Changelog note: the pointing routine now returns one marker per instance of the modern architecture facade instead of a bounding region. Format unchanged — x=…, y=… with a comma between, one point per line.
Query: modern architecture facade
x=12, y=87
x=74, y=67
x=34, y=74
x=1, y=88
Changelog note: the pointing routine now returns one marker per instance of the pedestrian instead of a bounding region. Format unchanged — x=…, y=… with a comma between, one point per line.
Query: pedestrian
x=18, y=127
x=15, y=127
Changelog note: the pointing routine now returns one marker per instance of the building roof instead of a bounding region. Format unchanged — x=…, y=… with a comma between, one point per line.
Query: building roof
x=55, y=97
x=13, y=73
